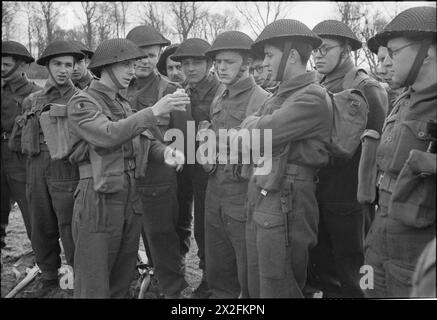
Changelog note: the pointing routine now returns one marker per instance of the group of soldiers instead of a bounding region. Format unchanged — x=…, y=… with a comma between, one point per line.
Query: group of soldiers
x=305, y=231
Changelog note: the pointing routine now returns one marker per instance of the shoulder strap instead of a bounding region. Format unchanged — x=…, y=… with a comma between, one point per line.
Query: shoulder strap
x=354, y=78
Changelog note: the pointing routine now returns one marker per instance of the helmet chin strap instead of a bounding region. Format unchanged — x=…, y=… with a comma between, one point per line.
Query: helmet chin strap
x=240, y=73
x=114, y=78
x=418, y=61
x=51, y=75
x=284, y=58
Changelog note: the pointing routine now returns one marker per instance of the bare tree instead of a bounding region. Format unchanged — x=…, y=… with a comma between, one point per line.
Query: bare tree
x=372, y=25
x=28, y=8
x=89, y=9
x=353, y=15
x=214, y=24
x=187, y=15
x=50, y=13
x=104, y=25
x=124, y=6
x=259, y=14
x=153, y=14
x=120, y=13
x=9, y=9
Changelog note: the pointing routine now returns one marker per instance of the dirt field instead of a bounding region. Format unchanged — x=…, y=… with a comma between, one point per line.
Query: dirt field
x=18, y=251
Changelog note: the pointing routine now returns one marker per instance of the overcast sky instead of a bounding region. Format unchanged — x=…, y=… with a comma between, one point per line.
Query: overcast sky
x=308, y=12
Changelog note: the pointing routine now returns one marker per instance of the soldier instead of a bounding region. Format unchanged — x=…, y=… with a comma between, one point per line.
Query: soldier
x=282, y=209
x=260, y=75
x=173, y=70
x=201, y=86
x=107, y=210
x=338, y=256
x=399, y=233
x=81, y=76
x=257, y=70
x=50, y=183
x=225, y=214
x=384, y=71
x=170, y=68
x=158, y=189
x=15, y=87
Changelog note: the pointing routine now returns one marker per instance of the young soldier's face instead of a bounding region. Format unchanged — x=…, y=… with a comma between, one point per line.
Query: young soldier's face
x=272, y=60
x=174, y=71
x=147, y=65
x=80, y=69
x=327, y=59
x=7, y=64
x=257, y=71
x=228, y=65
x=384, y=69
x=124, y=72
x=61, y=68
x=402, y=53
x=194, y=69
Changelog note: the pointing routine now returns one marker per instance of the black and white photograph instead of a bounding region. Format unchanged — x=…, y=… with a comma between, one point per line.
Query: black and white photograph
x=218, y=152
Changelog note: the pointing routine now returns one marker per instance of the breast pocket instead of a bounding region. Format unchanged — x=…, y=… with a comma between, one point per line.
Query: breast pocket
x=410, y=135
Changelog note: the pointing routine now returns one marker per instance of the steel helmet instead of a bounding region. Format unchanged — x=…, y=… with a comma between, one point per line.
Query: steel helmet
x=16, y=49
x=417, y=21
x=191, y=48
x=337, y=29
x=286, y=28
x=59, y=48
x=144, y=36
x=89, y=53
x=230, y=40
x=113, y=51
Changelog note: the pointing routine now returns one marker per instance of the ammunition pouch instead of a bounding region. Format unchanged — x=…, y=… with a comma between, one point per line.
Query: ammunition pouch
x=414, y=192
x=30, y=136
x=53, y=121
x=14, y=140
x=367, y=170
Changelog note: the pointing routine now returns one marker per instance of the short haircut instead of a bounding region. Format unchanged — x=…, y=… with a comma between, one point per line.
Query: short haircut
x=303, y=48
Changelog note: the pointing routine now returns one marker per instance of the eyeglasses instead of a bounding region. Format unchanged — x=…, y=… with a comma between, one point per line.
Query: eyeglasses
x=258, y=69
x=324, y=50
x=391, y=52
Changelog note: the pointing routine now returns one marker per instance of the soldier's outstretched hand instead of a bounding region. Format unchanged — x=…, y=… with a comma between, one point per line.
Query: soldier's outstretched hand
x=175, y=101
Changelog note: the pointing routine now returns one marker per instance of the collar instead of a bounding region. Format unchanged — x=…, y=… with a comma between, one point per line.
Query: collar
x=203, y=86
x=98, y=86
x=427, y=94
x=84, y=81
x=240, y=86
x=17, y=83
x=62, y=89
x=297, y=82
x=339, y=72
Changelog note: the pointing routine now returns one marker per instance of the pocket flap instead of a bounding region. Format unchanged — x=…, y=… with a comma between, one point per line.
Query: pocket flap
x=58, y=110
x=418, y=128
x=268, y=220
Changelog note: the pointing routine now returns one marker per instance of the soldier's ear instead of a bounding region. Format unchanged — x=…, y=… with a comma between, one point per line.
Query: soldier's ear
x=293, y=56
x=431, y=54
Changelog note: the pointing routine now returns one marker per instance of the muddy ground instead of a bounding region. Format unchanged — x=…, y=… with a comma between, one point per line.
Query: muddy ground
x=17, y=256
